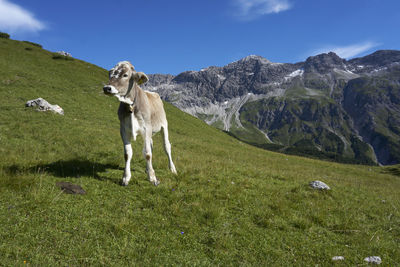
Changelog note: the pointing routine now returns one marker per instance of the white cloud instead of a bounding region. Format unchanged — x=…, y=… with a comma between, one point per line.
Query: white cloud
x=348, y=51
x=14, y=18
x=251, y=9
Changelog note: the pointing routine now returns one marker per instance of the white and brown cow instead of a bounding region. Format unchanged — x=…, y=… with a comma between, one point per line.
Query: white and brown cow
x=139, y=112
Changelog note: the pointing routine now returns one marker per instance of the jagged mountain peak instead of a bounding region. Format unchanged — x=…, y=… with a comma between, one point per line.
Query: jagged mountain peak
x=380, y=57
x=326, y=57
x=324, y=62
x=257, y=58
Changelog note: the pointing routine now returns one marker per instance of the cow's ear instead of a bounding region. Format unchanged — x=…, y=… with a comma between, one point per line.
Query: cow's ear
x=140, y=77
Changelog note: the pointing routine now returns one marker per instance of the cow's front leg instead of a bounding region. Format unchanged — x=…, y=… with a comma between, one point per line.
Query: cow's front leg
x=125, y=135
x=147, y=153
x=128, y=157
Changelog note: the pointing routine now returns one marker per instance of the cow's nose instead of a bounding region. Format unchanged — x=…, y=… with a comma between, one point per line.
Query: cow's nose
x=107, y=89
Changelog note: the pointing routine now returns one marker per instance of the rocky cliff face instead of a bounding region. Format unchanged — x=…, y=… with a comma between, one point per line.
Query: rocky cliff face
x=374, y=105
x=325, y=107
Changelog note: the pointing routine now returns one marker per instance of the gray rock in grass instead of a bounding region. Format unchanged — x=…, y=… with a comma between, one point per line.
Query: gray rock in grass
x=63, y=53
x=373, y=259
x=43, y=105
x=319, y=185
x=338, y=258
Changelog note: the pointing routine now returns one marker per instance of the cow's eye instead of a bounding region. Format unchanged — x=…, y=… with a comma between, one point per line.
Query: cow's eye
x=125, y=75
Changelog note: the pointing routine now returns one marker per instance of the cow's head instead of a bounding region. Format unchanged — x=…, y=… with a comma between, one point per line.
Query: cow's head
x=121, y=79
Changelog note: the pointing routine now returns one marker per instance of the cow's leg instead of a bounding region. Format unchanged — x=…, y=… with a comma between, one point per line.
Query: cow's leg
x=167, y=148
x=125, y=135
x=148, y=154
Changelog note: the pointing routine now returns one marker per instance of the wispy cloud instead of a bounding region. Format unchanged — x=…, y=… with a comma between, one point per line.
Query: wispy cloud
x=14, y=18
x=348, y=51
x=251, y=9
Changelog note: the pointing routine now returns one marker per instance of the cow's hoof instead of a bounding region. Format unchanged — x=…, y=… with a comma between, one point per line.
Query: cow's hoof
x=156, y=182
x=172, y=168
x=124, y=182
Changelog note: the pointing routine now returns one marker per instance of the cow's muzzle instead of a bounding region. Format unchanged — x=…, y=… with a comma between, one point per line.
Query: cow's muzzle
x=110, y=90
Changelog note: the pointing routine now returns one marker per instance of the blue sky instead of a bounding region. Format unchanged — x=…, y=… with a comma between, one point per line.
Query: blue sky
x=176, y=35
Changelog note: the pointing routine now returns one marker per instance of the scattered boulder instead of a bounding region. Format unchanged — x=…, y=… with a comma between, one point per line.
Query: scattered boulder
x=63, y=53
x=43, y=105
x=319, y=185
x=338, y=258
x=373, y=259
x=69, y=188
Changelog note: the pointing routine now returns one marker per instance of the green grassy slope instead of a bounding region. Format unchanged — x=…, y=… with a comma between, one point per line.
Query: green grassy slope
x=230, y=203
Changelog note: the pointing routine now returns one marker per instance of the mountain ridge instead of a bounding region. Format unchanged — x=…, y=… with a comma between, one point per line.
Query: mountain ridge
x=218, y=96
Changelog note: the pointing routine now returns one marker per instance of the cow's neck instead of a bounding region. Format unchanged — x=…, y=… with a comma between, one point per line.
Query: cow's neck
x=133, y=92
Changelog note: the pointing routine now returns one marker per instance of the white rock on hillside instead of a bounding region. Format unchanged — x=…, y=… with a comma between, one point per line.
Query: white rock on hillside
x=319, y=185
x=63, y=53
x=43, y=105
x=373, y=259
x=338, y=258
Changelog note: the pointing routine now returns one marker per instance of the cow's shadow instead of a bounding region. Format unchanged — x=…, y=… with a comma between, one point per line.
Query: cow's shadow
x=74, y=168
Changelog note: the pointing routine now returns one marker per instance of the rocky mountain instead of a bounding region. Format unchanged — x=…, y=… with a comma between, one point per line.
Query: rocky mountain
x=325, y=107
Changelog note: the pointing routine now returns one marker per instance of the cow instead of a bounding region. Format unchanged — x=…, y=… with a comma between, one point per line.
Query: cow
x=140, y=112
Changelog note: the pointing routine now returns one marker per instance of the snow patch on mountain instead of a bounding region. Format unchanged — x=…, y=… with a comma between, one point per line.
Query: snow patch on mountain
x=295, y=73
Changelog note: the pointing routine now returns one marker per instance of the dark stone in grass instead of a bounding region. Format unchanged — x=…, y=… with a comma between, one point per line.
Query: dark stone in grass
x=71, y=188
x=319, y=185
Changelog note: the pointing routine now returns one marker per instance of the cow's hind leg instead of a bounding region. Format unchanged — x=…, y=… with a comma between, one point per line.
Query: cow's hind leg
x=167, y=148
x=148, y=154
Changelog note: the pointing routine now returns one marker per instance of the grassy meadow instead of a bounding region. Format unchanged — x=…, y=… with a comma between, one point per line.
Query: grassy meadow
x=230, y=204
